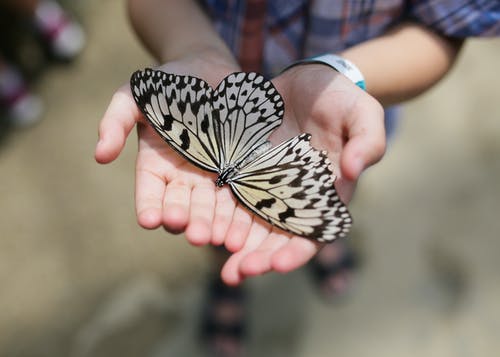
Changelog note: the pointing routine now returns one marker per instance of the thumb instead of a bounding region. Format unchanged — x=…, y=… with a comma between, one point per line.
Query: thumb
x=365, y=139
x=116, y=124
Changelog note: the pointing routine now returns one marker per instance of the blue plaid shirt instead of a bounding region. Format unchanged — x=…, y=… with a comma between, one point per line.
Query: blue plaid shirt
x=275, y=33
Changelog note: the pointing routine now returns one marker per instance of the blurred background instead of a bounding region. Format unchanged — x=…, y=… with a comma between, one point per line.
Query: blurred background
x=78, y=277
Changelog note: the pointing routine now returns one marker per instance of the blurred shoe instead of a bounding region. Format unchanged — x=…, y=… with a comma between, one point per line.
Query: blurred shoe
x=332, y=269
x=21, y=107
x=63, y=36
x=223, y=319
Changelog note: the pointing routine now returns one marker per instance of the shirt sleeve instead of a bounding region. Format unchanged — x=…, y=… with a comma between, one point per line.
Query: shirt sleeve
x=458, y=18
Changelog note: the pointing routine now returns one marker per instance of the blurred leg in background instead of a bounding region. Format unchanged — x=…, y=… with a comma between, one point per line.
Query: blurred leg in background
x=61, y=38
x=332, y=269
x=21, y=107
x=224, y=313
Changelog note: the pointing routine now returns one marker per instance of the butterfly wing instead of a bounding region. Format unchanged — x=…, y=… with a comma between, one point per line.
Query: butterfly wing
x=180, y=109
x=249, y=108
x=291, y=186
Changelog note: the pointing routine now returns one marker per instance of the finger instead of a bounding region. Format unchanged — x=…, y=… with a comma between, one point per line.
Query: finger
x=224, y=210
x=150, y=183
x=116, y=124
x=258, y=261
x=294, y=254
x=176, y=207
x=149, y=193
x=238, y=230
x=366, y=139
x=199, y=230
x=230, y=273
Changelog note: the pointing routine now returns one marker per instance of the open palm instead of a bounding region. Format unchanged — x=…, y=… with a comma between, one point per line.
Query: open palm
x=172, y=193
x=343, y=120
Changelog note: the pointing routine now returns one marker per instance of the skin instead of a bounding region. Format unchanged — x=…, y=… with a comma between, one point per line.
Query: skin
x=343, y=119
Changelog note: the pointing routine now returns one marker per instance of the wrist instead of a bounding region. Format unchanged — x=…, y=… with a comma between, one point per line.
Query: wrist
x=337, y=63
x=207, y=63
x=214, y=49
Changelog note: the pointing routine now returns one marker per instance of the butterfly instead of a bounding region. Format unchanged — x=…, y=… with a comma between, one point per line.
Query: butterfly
x=225, y=130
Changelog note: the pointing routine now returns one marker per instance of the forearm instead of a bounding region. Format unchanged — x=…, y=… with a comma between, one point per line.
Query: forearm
x=173, y=29
x=403, y=63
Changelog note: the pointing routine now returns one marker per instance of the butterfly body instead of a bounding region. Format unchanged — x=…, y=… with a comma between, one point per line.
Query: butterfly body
x=226, y=130
x=225, y=176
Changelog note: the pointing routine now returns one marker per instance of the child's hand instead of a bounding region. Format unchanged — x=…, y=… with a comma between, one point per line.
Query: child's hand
x=342, y=119
x=172, y=193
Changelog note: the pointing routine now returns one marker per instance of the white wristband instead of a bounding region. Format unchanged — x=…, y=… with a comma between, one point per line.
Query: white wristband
x=341, y=65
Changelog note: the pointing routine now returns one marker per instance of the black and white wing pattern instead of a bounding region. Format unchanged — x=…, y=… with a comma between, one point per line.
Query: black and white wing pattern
x=180, y=109
x=226, y=130
x=249, y=109
x=291, y=186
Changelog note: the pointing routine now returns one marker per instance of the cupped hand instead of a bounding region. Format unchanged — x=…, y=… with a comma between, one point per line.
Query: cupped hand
x=342, y=119
x=172, y=193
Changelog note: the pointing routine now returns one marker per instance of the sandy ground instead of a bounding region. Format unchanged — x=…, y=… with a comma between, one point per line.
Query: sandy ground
x=78, y=277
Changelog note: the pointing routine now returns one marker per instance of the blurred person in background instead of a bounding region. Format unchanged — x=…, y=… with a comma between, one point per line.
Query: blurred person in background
x=401, y=48
x=61, y=37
